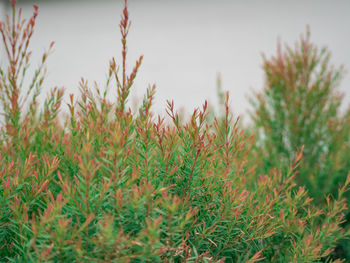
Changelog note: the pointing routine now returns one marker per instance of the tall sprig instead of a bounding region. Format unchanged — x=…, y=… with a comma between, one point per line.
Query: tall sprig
x=124, y=84
x=16, y=36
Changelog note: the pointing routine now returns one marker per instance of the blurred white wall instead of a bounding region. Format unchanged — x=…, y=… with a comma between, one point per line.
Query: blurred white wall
x=2, y=8
x=2, y=17
x=185, y=42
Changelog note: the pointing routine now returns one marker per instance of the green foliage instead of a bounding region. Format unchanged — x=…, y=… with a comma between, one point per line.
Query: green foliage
x=106, y=185
x=300, y=107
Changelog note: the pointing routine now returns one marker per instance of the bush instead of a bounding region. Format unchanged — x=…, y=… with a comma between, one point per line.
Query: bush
x=106, y=185
x=300, y=106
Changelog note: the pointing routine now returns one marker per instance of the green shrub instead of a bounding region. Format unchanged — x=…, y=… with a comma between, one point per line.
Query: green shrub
x=300, y=106
x=106, y=185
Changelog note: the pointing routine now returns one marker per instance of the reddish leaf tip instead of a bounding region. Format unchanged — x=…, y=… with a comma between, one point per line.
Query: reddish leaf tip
x=13, y=3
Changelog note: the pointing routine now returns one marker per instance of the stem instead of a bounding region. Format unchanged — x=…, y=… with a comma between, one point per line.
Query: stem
x=192, y=170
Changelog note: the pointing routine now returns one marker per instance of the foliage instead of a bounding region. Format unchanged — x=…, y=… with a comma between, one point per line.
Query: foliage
x=106, y=185
x=300, y=106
